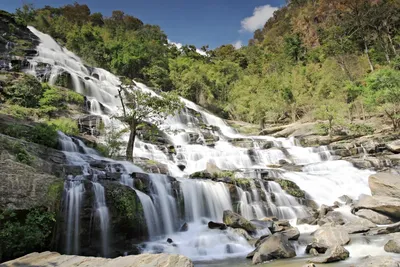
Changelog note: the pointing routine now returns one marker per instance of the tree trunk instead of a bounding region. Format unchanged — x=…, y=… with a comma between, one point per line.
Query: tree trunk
x=368, y=57
x=131, y=142
x=330, y=127
x=343, y=66
x=392, y=45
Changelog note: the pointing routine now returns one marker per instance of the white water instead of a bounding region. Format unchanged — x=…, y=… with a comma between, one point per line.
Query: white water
x=322, y=178
x=103, y=215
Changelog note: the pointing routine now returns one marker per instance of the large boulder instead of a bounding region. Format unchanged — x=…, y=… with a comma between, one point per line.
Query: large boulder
x=394, y=146
x=383, y=204
x=235, y=220
x=333, y=254
x=378, y=261
x=393, y=245
x=374, y=216
x=292, y=233
x=55, y=259
x=328, y=236
x=385, y=184
x=276, y=246
x=358, y=225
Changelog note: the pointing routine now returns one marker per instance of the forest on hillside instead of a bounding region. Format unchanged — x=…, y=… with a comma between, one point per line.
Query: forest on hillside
x=334, y=60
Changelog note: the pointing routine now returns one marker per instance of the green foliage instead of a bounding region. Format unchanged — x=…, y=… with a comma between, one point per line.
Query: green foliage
x=26, y=92
x=113, y=142
x=54, y=195
x=361, y=129
x=20, y=112
x=55, y=99
x=22, y=155
x=23, y=232
x=44, y=135
x=291, y=188
x=65, y=125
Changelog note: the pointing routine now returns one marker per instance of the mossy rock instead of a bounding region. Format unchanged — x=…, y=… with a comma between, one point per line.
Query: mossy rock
x=55, y=194
x=291, y=188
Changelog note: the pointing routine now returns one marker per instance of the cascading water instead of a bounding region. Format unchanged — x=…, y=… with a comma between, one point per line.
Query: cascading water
x=102, y=214
x=200, y=139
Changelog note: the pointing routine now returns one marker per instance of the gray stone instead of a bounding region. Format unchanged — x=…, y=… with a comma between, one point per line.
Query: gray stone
x=235, y=220
x=333, y=254
x=55, y=259
x=358, y=225
x=280, y=226
x=383, y=204
x=313, y=252
x=292, y=233
x=385, y=184
x=328, y=236
x=374, y=216
x=378, y=261
x=276, y=246
x=243, y=233
x=393, y=246
x=216, y=225
x=332, y=218
x=394, y=146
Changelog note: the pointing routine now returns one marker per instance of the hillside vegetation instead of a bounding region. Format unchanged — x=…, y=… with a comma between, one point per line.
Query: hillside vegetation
x=314, y=60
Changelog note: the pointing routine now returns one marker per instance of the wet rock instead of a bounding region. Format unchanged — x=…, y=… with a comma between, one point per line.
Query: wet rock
x=332, y=218
x=324, y=209
x=378, y=261
x=346, y=199
x=216, y=225
x=292, y=233
x=309, y=265
x=261, y=240
x=394, y=146
x=383, y=204
x=385, y=184
x=90, y=125
x=393, y=245
x=307, y=220
x=184, y=227
x=235, y=220
x=374, y=216
x=261, y=224
x=115, y=176
x=328, y=236
x=280, y=226
x=276, y=246
x=333, y=254
x=151, y=166
x=243, y=233
x=170, y=241
x=358, y=225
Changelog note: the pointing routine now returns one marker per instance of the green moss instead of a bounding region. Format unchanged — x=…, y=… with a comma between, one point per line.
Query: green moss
x=242, y=181
x=54, y=194
x=22, y=155
x=291, y=188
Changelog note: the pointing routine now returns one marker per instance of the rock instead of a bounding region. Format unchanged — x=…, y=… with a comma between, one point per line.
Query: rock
x=374, y=216
x=55, y=259
x=346, y=199
x=328, y=236
x=324, y=210
x=184, y=227
x=333, y=254
x=261, y=240
x=90, y=124
x=22, y=187
x=215, y=225
x=394, y=146
x=358, y=225
x=378, y=261
x=332, y=218
x=261, y=224
x=151, y=166
x=309, y=265
x=235, y=220
x=276, y=246
x=394, y=228
x=388, y=206
x=292, y=233
x=170, y=241
x=393, y=246
x=313, y=252
x=307, y=220
x=242, y=233
x=385, y=184
x=280, y=226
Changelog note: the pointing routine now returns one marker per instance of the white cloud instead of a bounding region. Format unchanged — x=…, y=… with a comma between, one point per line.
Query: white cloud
x=260, y=15
x=238, y=44
x=179, y=46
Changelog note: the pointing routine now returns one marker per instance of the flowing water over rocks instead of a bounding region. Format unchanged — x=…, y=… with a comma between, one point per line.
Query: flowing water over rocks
x=176, y=209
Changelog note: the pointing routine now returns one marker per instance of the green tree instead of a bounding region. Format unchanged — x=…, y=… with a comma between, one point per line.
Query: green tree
x=139, y=106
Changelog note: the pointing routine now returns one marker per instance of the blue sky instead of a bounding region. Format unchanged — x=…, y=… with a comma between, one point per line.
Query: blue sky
x=212, y=22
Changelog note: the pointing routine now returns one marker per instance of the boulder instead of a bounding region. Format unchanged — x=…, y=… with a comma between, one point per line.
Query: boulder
x=333, y=254
x=55, y=259
x=374, y=216
x=292, y=233
x=388, y=206
x=280, y=226
x=215, y=225
x=90, y=124
x=346, y=199
x=235, y=220
x=358, y=225
x=332, y=218
x=378, y=261
x=394, y=146
x=393, y=246
x=184, y=227
x=328, y=236
x=243, y=233
x=313, y=252
x=276, y=246
x=385, y=184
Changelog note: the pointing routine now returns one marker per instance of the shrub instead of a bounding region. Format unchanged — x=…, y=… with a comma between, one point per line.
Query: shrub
x=44, y=134
x=20, y=112
x=52, y=98
x=26, y=92
x=74, y=98
x=22, y=155
x=361, y=129
x=322, y=129
x=65, y=125
x=23, y=232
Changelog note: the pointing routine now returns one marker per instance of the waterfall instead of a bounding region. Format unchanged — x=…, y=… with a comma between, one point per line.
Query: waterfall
x=199, y=140
x=103, y=215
